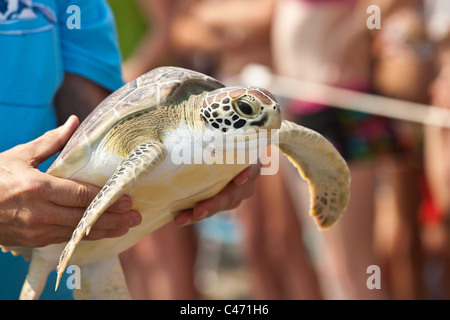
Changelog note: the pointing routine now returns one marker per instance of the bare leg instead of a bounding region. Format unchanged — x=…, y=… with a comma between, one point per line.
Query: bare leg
x=403, y=251
x=275, y=252
x=437, y=170
x=161, y=266
x=350, y=241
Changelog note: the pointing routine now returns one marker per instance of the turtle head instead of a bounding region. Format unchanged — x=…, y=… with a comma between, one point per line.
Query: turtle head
x=242, y=108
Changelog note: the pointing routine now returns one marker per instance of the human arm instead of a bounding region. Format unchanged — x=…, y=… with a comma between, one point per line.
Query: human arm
x=37, y=209
x=78, y=95
x=236, y=21
x=153, y=49
x=216, y=26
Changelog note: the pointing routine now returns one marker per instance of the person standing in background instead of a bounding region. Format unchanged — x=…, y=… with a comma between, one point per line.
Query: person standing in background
x=328, y=42
x=436, y=208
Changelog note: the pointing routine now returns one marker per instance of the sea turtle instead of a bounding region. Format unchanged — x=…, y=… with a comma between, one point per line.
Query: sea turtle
x=128, y=145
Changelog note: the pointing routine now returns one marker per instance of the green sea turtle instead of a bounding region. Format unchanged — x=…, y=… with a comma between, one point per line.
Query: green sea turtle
x=129, y=143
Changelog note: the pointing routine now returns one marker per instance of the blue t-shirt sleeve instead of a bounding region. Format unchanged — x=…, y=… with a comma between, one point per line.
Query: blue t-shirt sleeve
x=91, y=51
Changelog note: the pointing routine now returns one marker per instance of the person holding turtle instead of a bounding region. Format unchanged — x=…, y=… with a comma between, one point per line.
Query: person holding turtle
x=63, y=72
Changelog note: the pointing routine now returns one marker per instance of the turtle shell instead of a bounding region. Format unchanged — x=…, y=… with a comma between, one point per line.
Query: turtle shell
x=157, y=87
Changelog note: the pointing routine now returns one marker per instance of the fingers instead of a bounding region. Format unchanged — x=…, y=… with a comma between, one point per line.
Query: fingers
x=230, y=197
x=49, y=224
x=249, y=174
x=71, y=198
x=38, y=209
x=109, y=228
x=71, y=216
x=34, y=236
x=59, y=205
x=70, y=193
x=51, y=142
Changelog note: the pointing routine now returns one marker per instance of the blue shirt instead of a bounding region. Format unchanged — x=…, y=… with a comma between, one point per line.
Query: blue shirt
x=37, y=46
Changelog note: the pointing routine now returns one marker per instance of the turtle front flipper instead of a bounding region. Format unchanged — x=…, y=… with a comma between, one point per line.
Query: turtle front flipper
x=139, y=163
x=321, y=165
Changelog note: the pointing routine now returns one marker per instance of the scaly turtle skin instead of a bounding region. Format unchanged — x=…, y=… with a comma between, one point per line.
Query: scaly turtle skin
x=129, y=144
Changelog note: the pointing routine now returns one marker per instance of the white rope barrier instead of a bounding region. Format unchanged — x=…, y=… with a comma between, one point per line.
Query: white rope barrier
x=256, y=75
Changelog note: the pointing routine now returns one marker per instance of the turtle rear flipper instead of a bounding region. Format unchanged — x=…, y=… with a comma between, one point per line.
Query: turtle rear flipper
x=36, y=279
x=103, y=280
x=321, y=165
x=139, y=163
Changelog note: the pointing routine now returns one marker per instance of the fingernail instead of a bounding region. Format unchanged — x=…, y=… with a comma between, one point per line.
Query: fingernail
x=240, y=181
x=135, y=221
x=203, y=214
x=124, y=205
x=184, y=220
x=70, y=118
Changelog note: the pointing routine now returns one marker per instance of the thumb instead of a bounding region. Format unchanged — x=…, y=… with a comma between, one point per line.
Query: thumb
x=52, y=141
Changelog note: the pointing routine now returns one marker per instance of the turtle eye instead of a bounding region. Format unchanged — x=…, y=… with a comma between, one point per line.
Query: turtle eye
x=244, y=108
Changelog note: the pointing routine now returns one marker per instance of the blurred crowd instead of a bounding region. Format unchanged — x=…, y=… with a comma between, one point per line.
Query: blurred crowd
x=397, y=218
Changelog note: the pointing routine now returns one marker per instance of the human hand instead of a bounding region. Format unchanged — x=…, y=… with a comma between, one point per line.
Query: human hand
x=38, y=209
x=240, y=188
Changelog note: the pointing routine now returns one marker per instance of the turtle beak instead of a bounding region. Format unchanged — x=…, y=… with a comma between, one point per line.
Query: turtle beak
x=272, y=117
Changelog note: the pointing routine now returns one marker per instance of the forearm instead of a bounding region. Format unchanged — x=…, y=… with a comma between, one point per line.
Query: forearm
x=154, y=47
x=238, y=14
x=151, y=51
x=79, y=96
